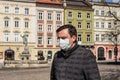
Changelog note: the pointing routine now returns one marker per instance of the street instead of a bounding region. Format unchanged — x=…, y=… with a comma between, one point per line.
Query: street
x=107, y=72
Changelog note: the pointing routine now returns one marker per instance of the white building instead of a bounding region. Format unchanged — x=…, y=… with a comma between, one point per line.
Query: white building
x=17, y=17
x=104, y=23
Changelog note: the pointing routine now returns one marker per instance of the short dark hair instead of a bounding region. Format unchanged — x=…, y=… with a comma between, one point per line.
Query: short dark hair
x=71, y=29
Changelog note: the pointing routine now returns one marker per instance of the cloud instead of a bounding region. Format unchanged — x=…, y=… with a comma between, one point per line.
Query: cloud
x=115, y=0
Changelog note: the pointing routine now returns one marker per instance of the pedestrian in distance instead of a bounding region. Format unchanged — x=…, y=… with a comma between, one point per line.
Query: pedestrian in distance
x=72, y=62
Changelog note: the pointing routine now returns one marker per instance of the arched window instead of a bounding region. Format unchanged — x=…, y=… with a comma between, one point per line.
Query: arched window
x=101, y=53
x=40, y=55
x=9, y=54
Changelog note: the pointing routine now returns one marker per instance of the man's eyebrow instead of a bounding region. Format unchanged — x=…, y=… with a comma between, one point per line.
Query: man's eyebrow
x=62, y=37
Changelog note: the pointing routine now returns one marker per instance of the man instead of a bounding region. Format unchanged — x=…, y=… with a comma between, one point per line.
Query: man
x=73, y=62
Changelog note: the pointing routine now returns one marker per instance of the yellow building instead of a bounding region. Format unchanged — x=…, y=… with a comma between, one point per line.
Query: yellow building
x=80, y=14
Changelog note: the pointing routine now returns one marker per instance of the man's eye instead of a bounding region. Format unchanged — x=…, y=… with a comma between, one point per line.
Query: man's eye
x=61, y=38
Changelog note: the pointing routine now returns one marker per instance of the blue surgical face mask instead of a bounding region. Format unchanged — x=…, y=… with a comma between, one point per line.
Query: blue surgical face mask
x=64, y=44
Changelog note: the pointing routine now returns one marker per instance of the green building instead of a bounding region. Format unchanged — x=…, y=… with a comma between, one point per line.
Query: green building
x=80, y=14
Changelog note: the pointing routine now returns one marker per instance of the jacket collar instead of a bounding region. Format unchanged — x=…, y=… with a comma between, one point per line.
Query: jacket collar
x=67, y=53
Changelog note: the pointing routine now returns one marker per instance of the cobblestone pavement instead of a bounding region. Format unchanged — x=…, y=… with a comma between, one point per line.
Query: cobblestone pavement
x=107, y=72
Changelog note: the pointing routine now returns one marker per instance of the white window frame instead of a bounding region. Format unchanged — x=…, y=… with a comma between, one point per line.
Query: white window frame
x=40, y=40
x=6, y=37
x=16, y=10
x=16, y=37
x=16, y=22
x=40, y=27
x=79, y=14
x=88, y=25
x=58, y=17
x=6, y=9
x=70, y=14
x=49, y=41
x=6, y=23
x=79, y=37
x=26, y=23
x=79, y=25
x=88, y=15
x=49, y=14
x=40, y=15
x=49, y=29
x=26, y=11
x=88, y=38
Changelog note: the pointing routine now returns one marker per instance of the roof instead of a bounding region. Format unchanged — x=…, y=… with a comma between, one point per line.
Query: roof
x=78, y=3
x=49, y=1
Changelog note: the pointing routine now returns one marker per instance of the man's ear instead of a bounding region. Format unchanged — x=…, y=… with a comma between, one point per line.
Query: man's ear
x=74, y=38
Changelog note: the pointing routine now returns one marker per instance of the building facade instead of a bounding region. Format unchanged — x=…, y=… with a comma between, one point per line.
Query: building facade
x=17, y=18
x=80, y=14
x=50, y=15
x=104, y=25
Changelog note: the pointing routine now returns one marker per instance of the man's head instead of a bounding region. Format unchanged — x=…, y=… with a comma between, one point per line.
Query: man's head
x=67, y=36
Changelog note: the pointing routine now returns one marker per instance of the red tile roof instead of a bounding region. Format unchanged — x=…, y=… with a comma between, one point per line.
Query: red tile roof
x=49, y=1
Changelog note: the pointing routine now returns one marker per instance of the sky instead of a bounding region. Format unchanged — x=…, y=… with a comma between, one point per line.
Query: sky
x=109, y=1
x=115, y=0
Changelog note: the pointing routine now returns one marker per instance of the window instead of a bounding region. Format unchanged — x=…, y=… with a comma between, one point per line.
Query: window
x=6, y=37
x=40, y=16
x=16, y=23
x=102, y=13
x=6, y=9
x=79, y=15
x=49, y=16
x=16, y=37
x=40, y=40
x=79, y=37
x=16, y=10
x=40, y=27
x=102, y=24
x=26, y=11
x=88, y=25
x=79, y=24
x=49, y=28
x=97, y=24
x=69, y=14
x=49, y=56
x=57, y=41
x=97, y=37
x=58, y=16
x=88, y=38
x=69, y=22
x=110, y=37
x=97, y=12
x=49, y=41
x=115, y=13
x=40, y=55
x=102, y=37
x=26, y=23
x=88, y=15
x=109, y=25
x=6, y=23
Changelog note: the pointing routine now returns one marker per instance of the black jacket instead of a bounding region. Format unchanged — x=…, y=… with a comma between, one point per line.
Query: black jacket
x=75, y=64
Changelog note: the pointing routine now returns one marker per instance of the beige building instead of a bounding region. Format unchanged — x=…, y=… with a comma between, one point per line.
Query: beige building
x=17, y=18
x=49, y=18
